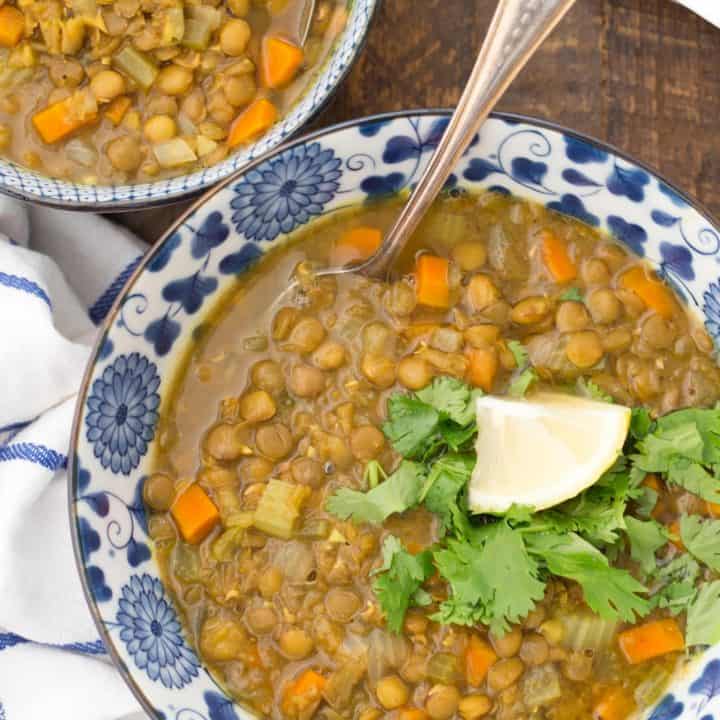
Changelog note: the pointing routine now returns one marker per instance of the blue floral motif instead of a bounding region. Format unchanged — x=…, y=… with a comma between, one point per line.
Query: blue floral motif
x=239, y=261
x=162, y=257
x=668, y=192
x=99, y=589
x=479, y=168
x=572, y=205
x=212, y=233
x=628, y=182
x=190, y=291
x=371, y=129
x=526, y=171
x=575, y=177
x=631, y=234
x=284, y=193
x=379, y=185
x=162, y=333
x=678, y=259
x=122, y=412
x=711, y=310
x=152, y=634
x=664, y=219
x=708, y=684
x=219, y=706
x=582, y=152
x=668, y=709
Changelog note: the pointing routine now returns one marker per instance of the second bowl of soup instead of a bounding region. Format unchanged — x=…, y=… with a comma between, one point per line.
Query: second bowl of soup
x=307, y=495
x=111, y=106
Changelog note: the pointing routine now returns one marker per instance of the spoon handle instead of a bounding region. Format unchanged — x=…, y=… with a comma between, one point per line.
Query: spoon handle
x=517, y=29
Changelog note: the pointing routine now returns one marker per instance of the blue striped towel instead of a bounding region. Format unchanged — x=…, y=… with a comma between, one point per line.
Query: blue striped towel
x=59, y=274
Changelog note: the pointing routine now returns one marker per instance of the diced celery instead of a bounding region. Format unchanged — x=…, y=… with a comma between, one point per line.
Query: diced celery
x=210, y=16
x=541, y=686
x=587, y=631
x=226, y=544
x=174, y=153
x=173, y=27
x=136, y=66
x=197, y=34
x=279, y=508
x=186, y=562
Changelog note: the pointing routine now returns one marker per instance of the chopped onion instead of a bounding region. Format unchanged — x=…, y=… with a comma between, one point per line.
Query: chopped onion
x=174, y=153
x=296, y=561
x=186, y=125
x=385, y=652
x=587, y=631
x=81, y=152
x=541, y=686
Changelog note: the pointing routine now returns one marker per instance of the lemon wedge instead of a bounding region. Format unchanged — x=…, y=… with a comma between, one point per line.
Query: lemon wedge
x=542, y=450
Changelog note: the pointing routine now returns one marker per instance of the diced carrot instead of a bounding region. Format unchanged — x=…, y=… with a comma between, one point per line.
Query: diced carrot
x=12, y=26
x=675, y=538
x=650, y=640
x=195, y=514
x=615, y=704
x=281, y=61
x=479, y=658
x=60, y=119
x=712, y=509
x=557, y=259
x=482, y=367
x=356, y=244
x=431, y=278
x=116, y=110
x=412, y=714
x=654, y=293
x=258, y=117
x=301, y=695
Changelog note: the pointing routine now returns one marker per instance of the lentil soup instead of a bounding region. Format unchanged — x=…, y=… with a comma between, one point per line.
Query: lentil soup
x=316, y=578
x=128, y=91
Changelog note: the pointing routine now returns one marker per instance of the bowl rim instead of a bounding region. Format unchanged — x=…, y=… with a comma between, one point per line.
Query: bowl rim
x=106, y=324
x=197, y=193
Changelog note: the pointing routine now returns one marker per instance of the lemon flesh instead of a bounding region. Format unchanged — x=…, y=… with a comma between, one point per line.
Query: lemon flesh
x=542, y=450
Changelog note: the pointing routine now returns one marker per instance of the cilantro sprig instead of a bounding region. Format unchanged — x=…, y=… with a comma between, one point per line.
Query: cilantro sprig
x=497, y=568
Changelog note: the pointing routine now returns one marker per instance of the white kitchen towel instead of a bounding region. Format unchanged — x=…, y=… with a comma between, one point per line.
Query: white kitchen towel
x=59, y=274
x=709, y=9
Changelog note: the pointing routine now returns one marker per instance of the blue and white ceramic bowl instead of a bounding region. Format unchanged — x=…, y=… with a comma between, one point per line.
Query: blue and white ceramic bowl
x=152, y=321
x=26, y=184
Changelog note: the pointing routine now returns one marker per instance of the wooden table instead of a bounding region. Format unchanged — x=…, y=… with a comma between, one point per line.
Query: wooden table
x=643, y=75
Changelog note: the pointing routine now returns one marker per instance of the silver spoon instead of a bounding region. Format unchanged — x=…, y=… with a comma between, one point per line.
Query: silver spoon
x=517, y=29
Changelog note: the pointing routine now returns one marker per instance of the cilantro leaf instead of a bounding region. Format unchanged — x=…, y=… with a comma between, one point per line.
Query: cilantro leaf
x=519, y=353
x=455, y=436
x=400, y=492
x=521, y=384
x=695, y=479
x=452, y=398
x=645, y=501
x=493, y=579
x=703, y=616
x=572, y=293
x=592, y=390
x=611, y=592
x=674, y=584
x=702, y=539
x=398, y=585
x=447, y=478
x=646, y=538
x=412, y=423
x=640, y=423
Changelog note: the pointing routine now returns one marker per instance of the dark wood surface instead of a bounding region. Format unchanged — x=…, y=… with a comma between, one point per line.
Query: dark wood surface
x=643, y=75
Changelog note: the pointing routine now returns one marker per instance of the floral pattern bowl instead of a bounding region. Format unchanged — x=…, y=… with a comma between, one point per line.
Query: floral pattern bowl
x=154, y=317
x=26, y=184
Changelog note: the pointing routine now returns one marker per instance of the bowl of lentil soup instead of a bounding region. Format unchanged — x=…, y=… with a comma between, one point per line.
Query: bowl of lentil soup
x=270, y=504
x=111, y=106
